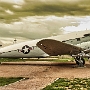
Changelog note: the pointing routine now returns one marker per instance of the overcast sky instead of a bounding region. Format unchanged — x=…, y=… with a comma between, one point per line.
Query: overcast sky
x=33, y=19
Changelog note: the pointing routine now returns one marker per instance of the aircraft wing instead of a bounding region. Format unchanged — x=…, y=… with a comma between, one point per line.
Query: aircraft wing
x=78, y=40
x=54, y=47
x=87, y=51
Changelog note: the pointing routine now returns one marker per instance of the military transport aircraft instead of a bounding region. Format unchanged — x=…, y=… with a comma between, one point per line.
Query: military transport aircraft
x=76, y=44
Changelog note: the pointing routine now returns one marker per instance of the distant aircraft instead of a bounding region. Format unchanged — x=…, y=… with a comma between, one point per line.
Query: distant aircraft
x=76, y=44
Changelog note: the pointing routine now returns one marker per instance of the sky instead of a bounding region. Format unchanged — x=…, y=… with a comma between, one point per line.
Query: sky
x=33, y=19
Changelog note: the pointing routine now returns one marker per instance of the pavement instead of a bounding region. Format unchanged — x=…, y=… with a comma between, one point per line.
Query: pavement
x=40, y=73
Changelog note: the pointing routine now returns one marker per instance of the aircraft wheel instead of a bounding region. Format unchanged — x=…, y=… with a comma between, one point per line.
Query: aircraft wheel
x=77, y=62
x=80, y=62
x=83, y=61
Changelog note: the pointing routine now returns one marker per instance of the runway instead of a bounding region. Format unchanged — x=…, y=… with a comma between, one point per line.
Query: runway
x=40, y=73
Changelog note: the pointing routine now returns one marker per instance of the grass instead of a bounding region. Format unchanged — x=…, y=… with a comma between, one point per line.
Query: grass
x=11, y=60
x=40, y=59
x=69, y=84
x=6, y=81
x=43, y=59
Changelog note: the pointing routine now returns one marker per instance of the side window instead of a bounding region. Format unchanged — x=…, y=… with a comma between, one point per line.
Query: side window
x=78, y=39
x=63, y=41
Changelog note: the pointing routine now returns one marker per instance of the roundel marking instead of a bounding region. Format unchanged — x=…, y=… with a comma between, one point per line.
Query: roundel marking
x=26, y=49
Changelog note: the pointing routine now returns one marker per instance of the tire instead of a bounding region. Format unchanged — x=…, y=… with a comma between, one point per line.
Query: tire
x=77, y=61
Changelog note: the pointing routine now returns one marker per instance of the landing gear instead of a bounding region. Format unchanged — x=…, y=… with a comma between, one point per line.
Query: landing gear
x=80, y=61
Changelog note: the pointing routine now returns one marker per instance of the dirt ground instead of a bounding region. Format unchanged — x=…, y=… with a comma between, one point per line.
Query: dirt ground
x=41, y=74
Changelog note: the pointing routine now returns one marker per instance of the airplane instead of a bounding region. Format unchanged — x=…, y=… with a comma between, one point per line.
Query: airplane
x=76, y=44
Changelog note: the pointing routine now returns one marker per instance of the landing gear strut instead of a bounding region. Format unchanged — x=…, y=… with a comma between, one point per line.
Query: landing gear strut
x=80, y=61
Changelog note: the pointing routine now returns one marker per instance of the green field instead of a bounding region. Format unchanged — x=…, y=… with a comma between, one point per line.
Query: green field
x=41, y=59
x=69, y=84
x=6, y=81
x=11, y=60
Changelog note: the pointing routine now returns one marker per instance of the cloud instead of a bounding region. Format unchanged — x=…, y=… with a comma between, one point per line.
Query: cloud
x=43, y=8
x=9, y=12
x=17, y=6
x=31, y=19
x=35, y=27
x=13, y=1
x=51, y=1
x=83, y=24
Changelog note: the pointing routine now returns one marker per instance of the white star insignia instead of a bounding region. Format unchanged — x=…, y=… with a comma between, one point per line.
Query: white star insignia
x=25, y=49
